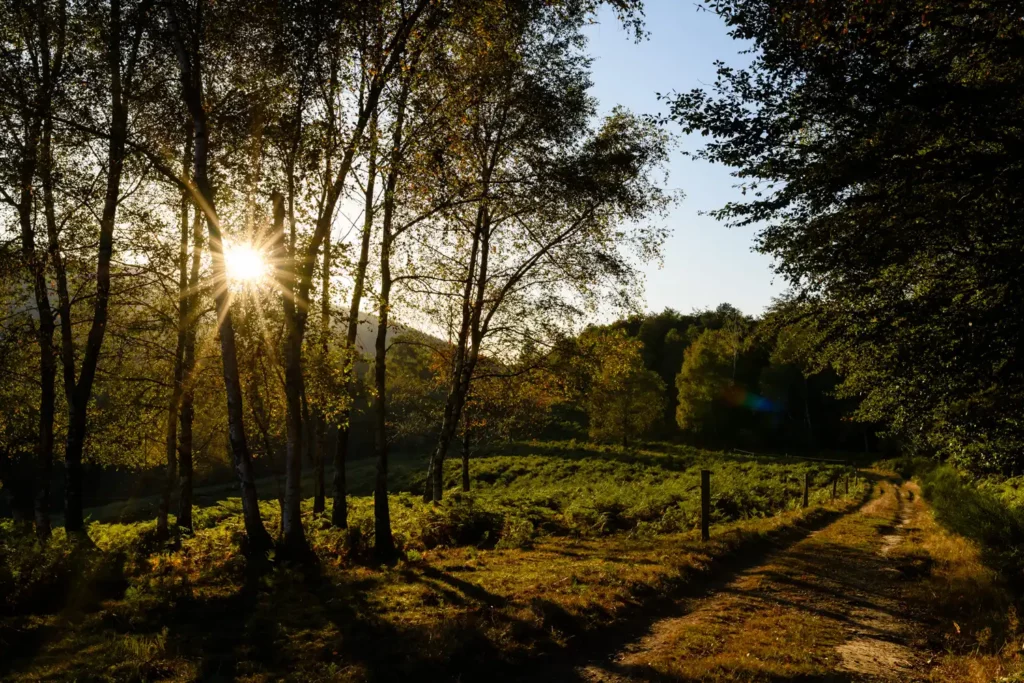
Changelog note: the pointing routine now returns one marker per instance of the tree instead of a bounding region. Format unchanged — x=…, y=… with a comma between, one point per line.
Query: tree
x=116, y=65
x=187, y=40
x=181, y=340
x=879, y=145
x=558, y=204
x=35, y=41
x=295, y=269
x=508, y=401
x=703, y=381
x=624, y=400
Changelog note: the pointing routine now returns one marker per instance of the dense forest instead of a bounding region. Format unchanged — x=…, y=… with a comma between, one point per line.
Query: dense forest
x=349, y=282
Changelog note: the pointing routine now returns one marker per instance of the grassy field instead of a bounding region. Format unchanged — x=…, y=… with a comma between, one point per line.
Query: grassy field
x=555, y=542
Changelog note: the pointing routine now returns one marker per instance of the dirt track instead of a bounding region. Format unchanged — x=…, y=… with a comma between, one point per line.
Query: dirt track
x=828, y=608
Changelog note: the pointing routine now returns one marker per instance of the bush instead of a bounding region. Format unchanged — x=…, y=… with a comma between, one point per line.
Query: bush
x=34, y=575
x=588, y=490
x=459, y=521
x=38, y=576
x=907, y=466
x=517, y=532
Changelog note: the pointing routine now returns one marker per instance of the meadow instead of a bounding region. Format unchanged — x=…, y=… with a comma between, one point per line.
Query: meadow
x=555, y=540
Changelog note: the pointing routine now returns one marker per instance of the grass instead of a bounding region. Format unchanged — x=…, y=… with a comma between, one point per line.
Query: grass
x=866, y=597
x=557, y=541
x=989, y=514
x=974, y=612
x=974, y=537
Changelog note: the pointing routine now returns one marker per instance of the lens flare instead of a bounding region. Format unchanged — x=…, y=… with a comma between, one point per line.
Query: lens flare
x=738, y=396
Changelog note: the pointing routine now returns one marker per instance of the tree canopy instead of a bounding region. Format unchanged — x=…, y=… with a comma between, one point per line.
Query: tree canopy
x=878, y=144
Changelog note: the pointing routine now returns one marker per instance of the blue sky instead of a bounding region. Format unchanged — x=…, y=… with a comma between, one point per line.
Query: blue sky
x=705, y=263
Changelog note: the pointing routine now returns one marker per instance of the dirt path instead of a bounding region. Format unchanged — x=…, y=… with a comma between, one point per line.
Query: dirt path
x=829, y=608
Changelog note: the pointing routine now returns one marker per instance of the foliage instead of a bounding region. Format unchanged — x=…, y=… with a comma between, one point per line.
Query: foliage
x=568, y=488
x=456, y=609
x=707, y=373
x=623, y=399
x=33, y=576
x=878, y=144
x=415, y=386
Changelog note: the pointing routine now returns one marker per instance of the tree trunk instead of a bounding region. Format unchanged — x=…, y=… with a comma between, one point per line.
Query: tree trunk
x=263, y=424
x=293, y=540
x=74, y=521
x=81, y=392
x=433, y=488
x=257, y=538
x=469, y=348
x=187, y=410
x=187, y=415
x=41, y=120
x=296, y=280
x=465, y=453
x=320, y=452
x=171, y=438
x=339, y=513
x=51, y=63
x=380, y=75
x=36, y=266
x=449, y=421
x=44, y=452
x=47, y=368
x=384, y=545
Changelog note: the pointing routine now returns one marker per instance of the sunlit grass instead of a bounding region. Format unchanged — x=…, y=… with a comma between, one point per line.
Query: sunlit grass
x=549, y=546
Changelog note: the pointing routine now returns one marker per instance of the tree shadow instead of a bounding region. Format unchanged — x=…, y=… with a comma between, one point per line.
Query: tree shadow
x=648, y=674
x=558, y=663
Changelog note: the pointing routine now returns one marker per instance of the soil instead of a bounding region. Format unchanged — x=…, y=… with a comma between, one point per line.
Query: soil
x=828, y=608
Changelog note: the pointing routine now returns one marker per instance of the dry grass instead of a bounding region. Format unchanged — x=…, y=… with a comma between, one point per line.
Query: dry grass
x=972, y=616
x=885, y=594
x=449, y=613
x=814, y=607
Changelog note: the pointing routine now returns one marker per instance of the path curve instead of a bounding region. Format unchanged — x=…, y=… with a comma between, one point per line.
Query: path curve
x=827, y=608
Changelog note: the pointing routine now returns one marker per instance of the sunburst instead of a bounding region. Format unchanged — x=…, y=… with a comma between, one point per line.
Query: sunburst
x=245, y=264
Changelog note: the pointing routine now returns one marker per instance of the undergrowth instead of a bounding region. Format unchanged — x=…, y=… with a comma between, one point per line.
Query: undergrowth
x=981, y=513
x=555, y=540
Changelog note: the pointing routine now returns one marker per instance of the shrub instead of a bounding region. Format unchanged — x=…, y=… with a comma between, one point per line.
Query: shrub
x=516, y=532
x=34, y=575
x=459, y=521
x=38, y=576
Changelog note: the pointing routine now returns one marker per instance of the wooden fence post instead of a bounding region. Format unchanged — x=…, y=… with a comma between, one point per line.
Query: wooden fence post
x=847, y=483
x=705, y=504
x=807, y=487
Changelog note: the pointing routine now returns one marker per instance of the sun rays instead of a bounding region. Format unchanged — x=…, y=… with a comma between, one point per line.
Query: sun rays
x=245, y=264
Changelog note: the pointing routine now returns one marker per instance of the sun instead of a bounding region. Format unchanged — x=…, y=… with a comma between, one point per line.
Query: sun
x=245, y=264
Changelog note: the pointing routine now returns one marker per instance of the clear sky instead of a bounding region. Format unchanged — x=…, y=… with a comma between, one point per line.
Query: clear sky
x=705, y=263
